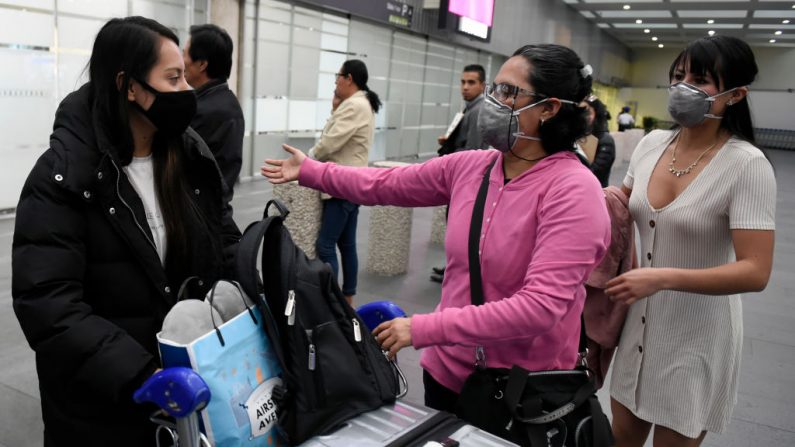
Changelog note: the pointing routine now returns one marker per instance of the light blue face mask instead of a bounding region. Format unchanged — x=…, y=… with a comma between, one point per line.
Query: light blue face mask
x=492, y=123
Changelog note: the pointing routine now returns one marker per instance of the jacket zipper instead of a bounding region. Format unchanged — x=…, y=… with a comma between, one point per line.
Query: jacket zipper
x=129, y=208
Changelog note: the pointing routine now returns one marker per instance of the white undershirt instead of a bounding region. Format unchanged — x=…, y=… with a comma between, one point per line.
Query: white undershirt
x=141, y=174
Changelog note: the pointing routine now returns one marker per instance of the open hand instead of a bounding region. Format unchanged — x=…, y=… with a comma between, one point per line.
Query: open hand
x=634, y=285
x=394, y=335
x=283, y=171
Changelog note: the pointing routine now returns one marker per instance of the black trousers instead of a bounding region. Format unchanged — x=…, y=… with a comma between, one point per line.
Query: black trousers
x=437, y=396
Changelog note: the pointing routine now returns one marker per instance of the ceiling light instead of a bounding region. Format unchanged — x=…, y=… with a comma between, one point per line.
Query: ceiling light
x=785, y=21
x=772, y=40
x=660, y=46
x=639, y=21
x=627, y=6
x=710, y=21
x=647, y=31
x=711, y=32
x=777, y=33
x=654, y=38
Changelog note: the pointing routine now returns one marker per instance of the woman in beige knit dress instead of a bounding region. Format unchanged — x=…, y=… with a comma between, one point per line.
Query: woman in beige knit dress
x=703, y=198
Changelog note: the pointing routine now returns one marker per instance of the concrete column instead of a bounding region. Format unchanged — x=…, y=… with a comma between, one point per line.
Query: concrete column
x=306, y=210
x=439, y=225
x=226, y=14
x=390, y=236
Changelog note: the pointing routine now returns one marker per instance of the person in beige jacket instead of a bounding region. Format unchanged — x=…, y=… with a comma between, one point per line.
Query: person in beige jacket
x=346, y=140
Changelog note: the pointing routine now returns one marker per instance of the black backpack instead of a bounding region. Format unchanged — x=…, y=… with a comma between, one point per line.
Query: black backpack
x=333, y=368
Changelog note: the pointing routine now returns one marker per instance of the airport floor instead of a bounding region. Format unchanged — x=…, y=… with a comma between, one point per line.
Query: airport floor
x=765, y=411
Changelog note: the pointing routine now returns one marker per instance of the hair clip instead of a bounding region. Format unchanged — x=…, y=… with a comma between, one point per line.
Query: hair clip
x=591, y=98
x=586, y=71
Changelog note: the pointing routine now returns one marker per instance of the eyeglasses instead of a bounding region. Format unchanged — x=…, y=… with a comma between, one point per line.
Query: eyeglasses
x=501, y=92
x=341, y=75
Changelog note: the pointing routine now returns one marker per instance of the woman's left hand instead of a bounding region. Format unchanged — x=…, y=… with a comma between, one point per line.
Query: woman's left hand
x=634, y=285
x=394, y=335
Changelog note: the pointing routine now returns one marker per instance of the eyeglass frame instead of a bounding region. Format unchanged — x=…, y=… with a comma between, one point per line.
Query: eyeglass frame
x=514, y=92
x=341, y=75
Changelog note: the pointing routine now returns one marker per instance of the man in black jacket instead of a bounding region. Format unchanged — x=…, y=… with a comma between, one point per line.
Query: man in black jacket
x=465, y=134
x=219, y=119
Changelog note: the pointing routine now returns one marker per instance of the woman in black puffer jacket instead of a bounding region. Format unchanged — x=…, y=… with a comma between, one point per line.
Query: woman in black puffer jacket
x=125, y=204
x=606, y=149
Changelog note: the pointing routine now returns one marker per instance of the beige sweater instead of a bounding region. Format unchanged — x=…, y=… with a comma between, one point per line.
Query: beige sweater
x=348, y=134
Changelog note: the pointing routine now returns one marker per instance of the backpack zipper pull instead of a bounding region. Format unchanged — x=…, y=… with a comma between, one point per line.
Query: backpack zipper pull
x=312, y=351
x=357, y=330
x=289, y=309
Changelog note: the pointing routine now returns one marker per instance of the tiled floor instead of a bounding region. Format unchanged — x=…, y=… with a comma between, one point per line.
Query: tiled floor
x=764, y=415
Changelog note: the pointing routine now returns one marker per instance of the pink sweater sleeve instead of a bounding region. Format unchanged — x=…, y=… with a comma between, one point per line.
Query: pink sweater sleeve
x=573, y=234
x=423, y=184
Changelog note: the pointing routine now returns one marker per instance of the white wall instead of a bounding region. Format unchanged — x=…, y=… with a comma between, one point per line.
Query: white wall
x=770, y=106
x=42, y=63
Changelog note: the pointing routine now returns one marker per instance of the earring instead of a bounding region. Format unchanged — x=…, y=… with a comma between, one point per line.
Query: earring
x=730, y=103
x=542, y=121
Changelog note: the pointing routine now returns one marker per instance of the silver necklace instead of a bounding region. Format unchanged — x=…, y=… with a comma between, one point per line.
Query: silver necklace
x=680, y=172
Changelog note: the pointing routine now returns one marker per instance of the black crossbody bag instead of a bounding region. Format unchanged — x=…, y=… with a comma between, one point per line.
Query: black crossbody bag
x=531, y=408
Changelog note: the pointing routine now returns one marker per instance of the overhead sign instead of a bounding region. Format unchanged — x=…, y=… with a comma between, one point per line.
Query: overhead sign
x=399, y=13
x=395, y=12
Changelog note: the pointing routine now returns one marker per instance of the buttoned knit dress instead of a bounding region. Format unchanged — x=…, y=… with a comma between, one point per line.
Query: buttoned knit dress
x=678, y=360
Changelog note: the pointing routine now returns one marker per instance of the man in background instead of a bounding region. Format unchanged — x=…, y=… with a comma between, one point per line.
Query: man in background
x=464, y=133
x=219, y=119
x=625, y=119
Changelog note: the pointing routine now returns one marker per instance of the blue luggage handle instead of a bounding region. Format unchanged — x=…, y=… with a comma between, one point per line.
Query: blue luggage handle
x=378, y=312
x=179, y=391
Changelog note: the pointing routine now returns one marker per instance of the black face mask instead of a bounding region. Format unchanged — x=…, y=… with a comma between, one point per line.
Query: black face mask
x=171, y=112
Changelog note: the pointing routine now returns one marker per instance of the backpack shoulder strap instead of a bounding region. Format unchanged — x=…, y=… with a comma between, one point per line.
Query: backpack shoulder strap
x=246, y=259
x=249, y=276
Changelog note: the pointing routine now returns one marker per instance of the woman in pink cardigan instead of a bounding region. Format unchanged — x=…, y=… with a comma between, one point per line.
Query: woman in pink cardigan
x=545, y=225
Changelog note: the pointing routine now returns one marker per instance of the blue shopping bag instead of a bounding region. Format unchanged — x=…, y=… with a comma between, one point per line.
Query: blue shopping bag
x=238, y=364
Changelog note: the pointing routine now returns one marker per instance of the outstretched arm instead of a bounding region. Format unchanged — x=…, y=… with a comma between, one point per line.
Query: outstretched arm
x=422, y=184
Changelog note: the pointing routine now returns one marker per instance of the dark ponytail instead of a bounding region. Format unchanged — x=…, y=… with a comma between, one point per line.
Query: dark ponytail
x=358, y=72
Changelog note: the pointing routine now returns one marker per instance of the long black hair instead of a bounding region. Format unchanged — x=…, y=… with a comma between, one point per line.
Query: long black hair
x=601, y=115
x=130, y=46
x=731, y=63
x=556, y=71
x=358, y=72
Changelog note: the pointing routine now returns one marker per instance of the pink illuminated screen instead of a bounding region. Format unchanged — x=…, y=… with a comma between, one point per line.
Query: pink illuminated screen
x=478, y=10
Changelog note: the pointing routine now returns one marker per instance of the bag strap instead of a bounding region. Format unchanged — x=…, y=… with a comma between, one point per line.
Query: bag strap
x=249, y=276
x=475, y=278
x=531, y=408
